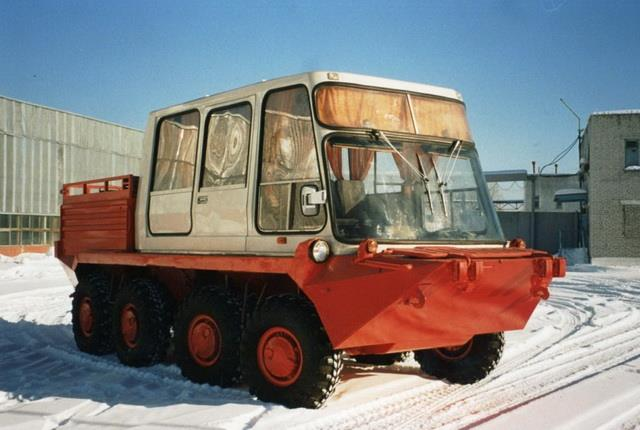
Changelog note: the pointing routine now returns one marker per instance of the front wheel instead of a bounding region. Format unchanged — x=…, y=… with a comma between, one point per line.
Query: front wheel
x=287, y=356
x=463, y=364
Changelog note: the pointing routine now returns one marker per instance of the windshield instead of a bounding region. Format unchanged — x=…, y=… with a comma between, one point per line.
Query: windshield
x=418, y=191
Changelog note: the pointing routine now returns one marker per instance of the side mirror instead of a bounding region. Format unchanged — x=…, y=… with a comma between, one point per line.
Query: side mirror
x=311, y=198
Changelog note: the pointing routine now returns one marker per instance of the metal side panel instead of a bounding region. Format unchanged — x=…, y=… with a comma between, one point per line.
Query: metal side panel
x=170, y=212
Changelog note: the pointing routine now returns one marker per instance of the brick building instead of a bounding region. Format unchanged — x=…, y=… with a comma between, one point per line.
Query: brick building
x=610, y=172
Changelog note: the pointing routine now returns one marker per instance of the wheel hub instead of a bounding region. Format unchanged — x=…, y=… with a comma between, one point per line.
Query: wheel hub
x=129, y=325
x=280, y=356
x=86, y=317
x=205, y=340
x=457, y=352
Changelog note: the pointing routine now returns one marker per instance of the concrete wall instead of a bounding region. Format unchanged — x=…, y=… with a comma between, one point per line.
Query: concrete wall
x=41, y=148
x=546, y=187
x=614, y=193
x=554, y=226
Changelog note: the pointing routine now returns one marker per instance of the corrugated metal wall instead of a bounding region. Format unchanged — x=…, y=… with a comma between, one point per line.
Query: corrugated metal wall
x=42, y=148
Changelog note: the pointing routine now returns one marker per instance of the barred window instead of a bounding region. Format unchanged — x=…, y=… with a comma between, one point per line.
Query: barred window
x=631, y=153
x=29, y=229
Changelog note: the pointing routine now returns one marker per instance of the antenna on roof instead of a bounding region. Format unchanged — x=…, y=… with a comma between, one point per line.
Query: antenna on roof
x=574, y=114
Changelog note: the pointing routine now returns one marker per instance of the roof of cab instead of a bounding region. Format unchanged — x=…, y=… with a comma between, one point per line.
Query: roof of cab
x=318, y=77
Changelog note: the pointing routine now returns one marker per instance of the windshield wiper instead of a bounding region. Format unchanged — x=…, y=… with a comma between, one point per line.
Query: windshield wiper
x=441, y=185
x=448, y=171
x=377, y=134
x=455, y=153
x=425, y=180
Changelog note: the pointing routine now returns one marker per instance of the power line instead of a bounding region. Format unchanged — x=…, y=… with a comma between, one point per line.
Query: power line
x=561, y=155
x=565, y=151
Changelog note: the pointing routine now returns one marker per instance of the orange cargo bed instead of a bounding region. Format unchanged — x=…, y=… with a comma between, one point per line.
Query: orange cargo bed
x=98, y=215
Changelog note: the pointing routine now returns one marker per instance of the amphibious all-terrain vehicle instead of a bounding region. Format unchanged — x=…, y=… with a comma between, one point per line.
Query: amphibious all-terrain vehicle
x=282, y=226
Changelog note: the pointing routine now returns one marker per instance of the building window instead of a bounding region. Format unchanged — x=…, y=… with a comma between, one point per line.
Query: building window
x=227, y=146
x=631, y=217
x=176, y=153
x=29, y=229
x=631, y=154
x=289, y=162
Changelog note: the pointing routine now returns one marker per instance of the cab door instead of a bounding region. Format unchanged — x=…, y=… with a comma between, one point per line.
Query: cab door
x=171, y=192
x=220, y=201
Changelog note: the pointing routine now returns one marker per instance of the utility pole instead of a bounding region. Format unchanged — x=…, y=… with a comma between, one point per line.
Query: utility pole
x=579, y=133
x=580, y=175
x=532, y=214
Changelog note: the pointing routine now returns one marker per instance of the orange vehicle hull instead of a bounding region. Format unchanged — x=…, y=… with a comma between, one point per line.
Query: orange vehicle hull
x=398, y=299
x=407, y=299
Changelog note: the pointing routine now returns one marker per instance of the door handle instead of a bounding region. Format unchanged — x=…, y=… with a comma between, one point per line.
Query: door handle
x=203, y=200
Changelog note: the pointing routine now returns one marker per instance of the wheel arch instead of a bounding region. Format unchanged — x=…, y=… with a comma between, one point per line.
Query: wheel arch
x=178, y=282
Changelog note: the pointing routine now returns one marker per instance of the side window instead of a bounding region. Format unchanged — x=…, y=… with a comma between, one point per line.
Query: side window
x=227, y=146
x=631, y=153
x=177, y=138
x=289, y=162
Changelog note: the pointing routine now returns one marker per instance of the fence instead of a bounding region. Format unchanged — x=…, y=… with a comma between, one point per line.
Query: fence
x=552, y=229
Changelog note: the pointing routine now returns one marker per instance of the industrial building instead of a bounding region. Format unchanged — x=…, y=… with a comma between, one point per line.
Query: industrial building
x=529, y=208
x=40, y=149
x=610, y=173
x=597, y=209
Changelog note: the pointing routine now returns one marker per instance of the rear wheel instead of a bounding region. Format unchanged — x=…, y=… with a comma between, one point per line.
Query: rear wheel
x=382, y=359
x=207, y=337
x=287, y=355
x=463, y=364
x=141, y=323
x=91, y=313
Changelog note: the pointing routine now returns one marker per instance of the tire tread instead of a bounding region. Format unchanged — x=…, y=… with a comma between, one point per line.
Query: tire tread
x=316, y=384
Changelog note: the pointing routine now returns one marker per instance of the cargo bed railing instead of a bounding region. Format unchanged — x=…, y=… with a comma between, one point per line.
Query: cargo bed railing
x=113, y=183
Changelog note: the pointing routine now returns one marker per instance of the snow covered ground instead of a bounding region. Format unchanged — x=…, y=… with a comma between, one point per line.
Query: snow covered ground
x=577, y=365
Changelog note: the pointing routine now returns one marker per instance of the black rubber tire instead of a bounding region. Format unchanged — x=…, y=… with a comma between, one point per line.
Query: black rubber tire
x=154, y=316
x=382, y=359
x=96, y=287
x=224, y=309
x=482, y=358
x=321, y=367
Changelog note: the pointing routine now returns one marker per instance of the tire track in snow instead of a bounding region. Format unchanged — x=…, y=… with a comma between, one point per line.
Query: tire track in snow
x=619, y=348
x=585, y=340
x=42, y=360
x=586, y=327
x=576, y=355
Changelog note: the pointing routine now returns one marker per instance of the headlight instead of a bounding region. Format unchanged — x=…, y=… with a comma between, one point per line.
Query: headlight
x=320, y=251
x=372, y=246
x=517, y=243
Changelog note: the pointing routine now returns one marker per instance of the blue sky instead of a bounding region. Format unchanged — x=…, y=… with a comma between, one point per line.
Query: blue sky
x=511, y=60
